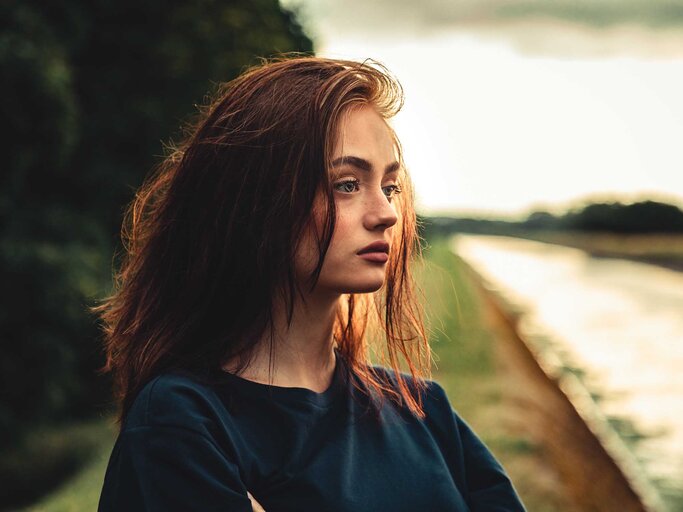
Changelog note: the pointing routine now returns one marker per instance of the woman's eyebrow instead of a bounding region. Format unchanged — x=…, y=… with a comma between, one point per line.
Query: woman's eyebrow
x=362, y=164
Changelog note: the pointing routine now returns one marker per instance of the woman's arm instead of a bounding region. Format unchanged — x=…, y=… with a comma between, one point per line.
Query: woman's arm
x=169, y=468
x=479, y=476
x=489, y=488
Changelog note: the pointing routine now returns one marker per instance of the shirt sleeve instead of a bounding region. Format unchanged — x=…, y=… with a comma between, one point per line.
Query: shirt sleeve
x=168, y=468
x=489, y=487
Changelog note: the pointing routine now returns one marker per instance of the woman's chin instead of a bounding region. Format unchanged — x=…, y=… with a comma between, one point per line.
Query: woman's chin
x=365, y=286
x=356, y=281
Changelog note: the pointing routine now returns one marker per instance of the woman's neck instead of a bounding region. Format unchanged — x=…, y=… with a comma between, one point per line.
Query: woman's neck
x=303, y=352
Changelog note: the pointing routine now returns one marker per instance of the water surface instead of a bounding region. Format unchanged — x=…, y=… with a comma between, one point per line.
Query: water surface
x=620, y=321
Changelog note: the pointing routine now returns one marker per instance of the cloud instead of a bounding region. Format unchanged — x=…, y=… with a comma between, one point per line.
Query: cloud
x=563, y=28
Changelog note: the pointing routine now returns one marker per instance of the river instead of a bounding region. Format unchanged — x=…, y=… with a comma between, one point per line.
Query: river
x=619, y=321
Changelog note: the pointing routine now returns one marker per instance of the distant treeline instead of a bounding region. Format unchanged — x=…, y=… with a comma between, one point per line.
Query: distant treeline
x=636, y=218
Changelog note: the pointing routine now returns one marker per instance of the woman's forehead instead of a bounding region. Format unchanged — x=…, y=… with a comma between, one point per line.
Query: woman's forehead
x=364, y=133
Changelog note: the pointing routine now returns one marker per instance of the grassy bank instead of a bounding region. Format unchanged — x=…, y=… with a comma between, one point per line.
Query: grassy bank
x=468, y=366
x=81, y=492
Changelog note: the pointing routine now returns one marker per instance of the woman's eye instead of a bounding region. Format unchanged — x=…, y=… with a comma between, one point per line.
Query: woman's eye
x=391, y=190
x=347, y=186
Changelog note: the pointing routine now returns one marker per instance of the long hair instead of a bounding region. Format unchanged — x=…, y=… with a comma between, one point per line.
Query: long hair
x=210, y=236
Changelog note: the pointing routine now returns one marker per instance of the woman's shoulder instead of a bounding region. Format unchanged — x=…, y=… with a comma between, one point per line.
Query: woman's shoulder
x=175, y=399
x=441, y=416
x=434, y=396
x=430, y=385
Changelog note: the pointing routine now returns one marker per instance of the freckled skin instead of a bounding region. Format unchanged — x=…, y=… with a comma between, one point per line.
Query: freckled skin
x=366, y=211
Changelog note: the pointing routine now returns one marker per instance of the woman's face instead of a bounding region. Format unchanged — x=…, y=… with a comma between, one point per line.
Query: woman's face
x=363, y=175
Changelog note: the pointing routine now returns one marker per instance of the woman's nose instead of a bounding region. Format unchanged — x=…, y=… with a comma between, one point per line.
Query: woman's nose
x=380, y=213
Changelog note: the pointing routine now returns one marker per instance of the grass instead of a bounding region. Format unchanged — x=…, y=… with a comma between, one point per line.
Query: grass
x=81, y=492
x=466, y=367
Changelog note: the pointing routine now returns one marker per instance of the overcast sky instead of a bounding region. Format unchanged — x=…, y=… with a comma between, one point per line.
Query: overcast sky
x=508, y=111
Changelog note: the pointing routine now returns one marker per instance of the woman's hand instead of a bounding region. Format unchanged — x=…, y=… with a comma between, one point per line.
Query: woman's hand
x=255, y=505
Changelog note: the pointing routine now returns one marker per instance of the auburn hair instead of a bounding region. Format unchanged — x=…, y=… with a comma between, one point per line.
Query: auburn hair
x=210, y=235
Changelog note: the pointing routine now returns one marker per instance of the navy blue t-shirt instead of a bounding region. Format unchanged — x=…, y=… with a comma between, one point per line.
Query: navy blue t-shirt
x=188, y=445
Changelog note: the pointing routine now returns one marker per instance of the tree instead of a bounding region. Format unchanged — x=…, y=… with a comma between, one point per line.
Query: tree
x=90, y=91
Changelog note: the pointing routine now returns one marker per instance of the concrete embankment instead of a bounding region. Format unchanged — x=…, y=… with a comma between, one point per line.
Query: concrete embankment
x=559, y=413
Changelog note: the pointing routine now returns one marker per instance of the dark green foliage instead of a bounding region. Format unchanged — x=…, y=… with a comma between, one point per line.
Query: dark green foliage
x=641, y=217
x=90, y=90
x=540, y=220
x=440, y=226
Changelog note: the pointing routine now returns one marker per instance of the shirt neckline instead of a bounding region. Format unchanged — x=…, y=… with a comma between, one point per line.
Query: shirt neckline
x=293, y=394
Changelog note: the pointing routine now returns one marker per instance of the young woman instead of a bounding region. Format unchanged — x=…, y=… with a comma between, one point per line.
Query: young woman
x=258, y=256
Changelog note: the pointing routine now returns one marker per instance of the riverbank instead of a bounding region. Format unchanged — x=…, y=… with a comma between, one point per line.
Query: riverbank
x=605, y=331
x=664, y=250
x=480, y=379
x=572, y=422
x=591, y=476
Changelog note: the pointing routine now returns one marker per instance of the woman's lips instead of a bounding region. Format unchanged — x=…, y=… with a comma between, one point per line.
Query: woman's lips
x=377, y=252
x=377, y=257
